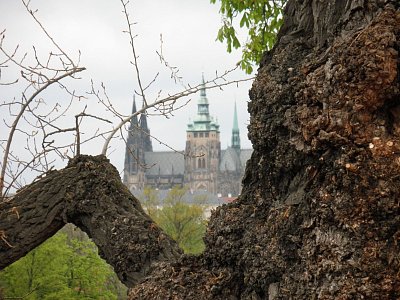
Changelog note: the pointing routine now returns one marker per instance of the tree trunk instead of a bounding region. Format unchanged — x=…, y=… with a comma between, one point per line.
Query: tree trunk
x=90, y=194
x=319, y=213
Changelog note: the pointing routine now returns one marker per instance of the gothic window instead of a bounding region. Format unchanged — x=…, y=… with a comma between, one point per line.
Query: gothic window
x=206, y=134
x=195, y=134
x=201, y=134
x=201, y=163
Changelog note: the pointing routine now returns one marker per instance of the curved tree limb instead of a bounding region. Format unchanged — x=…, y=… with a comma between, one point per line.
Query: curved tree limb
x=90, y=194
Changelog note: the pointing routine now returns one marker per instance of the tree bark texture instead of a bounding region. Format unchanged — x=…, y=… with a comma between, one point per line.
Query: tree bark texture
x=319, y=214
x=90, y=194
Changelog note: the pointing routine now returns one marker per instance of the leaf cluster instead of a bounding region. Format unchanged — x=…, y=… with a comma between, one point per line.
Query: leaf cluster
x=262, y=20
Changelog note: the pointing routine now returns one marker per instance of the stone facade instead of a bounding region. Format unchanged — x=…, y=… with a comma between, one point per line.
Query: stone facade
x=203, y=166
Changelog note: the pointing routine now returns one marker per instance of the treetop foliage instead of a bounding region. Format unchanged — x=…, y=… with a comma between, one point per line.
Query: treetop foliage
x=183, y=222
x=66, y=266
x=261, y=18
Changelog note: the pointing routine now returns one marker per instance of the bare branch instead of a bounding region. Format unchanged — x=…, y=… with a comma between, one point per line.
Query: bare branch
x=174, y=70
x=171, y=98
x=32, y=13
x=135, y=57
x=21, y=112
x=78, y=122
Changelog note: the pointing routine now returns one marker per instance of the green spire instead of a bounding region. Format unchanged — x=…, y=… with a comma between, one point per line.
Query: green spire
x=235, y=120
x=235, y=131
x=203, y=121
x=202, y=103
x=203, y=87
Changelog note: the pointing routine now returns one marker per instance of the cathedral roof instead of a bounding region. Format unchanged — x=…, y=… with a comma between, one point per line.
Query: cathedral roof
x=230, y=160
x=245, y=155
x=164, y=163
x=234, y=161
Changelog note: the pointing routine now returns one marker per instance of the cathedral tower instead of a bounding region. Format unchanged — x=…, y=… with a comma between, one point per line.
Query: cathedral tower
x=203, y=148
x=145, y=133
x=131, y=164
x=137, y=143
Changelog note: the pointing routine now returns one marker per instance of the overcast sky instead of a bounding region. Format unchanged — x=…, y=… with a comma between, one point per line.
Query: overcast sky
x=189, y=29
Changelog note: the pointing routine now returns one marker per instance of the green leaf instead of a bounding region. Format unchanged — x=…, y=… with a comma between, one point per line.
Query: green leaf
x=236, y=43
x=243, y=21
x=262, y=18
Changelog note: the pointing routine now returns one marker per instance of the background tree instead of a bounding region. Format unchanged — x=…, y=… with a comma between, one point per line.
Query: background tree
x=66, y=266
x=184, y=222
x=262, y=20
x=150, y=200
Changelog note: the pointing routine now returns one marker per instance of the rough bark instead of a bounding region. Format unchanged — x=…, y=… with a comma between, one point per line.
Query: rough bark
x=319, y=214
x=90, y=194
x=318, y=217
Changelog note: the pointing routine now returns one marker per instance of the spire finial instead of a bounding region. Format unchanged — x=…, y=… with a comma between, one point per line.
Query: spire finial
x=235, y=120
x=134, y=119
x=145, y=132
x=143, y=119
x=203, y=86
x=134, y=104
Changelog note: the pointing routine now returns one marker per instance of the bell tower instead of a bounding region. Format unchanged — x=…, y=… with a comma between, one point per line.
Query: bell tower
x=203, y=148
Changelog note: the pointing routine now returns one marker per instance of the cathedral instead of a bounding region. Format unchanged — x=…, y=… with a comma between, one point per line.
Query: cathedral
x=202, y=166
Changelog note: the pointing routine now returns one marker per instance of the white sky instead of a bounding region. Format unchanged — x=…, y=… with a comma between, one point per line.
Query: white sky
x=189, y=29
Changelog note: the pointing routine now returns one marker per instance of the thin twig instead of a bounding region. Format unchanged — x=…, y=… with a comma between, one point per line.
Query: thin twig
x=135, y=60
x=171, y=98
x=32, y=13
x=21, y=112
